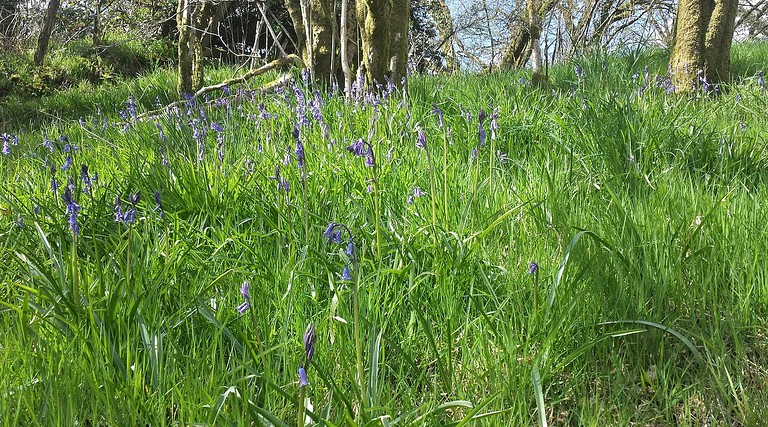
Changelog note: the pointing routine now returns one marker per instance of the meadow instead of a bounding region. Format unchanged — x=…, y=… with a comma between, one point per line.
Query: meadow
x=468, y=250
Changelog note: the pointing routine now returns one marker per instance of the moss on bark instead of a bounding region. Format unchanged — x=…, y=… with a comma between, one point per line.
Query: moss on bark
x=703, y=36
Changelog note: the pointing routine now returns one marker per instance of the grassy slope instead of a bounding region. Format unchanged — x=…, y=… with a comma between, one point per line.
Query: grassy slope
x=642, y=209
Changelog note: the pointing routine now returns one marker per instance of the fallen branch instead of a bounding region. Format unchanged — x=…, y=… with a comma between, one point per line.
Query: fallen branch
x=290, y=60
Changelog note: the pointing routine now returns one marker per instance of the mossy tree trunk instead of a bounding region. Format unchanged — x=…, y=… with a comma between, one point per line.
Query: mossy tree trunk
x=520, y=47
x=702, y=47
x=444, y=25
x=194, y=21
x=45, y=32
x=184, y=25
x=314, y=22
x=203, y=23
x=384, y=35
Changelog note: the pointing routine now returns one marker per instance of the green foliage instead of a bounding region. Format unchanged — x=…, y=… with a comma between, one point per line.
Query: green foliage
x=645, y=213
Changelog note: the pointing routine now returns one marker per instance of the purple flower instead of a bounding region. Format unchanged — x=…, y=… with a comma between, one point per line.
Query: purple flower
x=761, y=80
x=350, y=252
x=299, y=154
x=330, y=232
x=217, y=127
x=47, y=143
x=303, y=377
x=346, y=275
x=309, y=343
x=439, y=112
x=159, y=205
x=421, y=141
x=358, y=148
x=533, y=268
x=135, y=198
x=6, y=146
x=131, y=106
x=71, y=209
x=245, y=290
x=67, y=163
x=242, y=308
x=129, y=216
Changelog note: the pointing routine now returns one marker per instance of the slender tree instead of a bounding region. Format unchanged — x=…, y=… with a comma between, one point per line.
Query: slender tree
x=702, y=47
x=45, y=32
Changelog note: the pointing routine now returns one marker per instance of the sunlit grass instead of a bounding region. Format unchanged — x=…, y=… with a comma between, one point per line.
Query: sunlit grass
x=644, y=212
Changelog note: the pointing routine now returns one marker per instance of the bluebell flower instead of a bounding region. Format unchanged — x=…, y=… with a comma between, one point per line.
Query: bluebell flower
x=329, y=231
x=303, y=377
x=67, y=163
x=6, y=146
x=358, y=148
x=131, y=106
x=346, y=275
x=245, y=289
x=350, y=252
x=129, y=216
x=47, y=143
x=310, y=337
x=135, y=198
x=159, y=205
x=299, y=154
x=118, y=209
x=71, y=209
x=439, y=112
x=160, y=129
x=242, y=308
x=761, y=80
x=533, y=268
x=421, y=141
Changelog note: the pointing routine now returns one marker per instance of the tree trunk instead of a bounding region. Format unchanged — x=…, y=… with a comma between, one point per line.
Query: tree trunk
x=538, y=79
x=96, y=41
x=184, y=25
x=200, y=39
x=520, y=48
x=384, y=35
x=314, y=23
x=45, y=33
x=702, y=47
x=444, y=25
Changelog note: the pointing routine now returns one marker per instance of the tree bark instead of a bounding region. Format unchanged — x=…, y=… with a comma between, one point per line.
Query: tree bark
x=184, y=25
x=96, y=41
x=702, y=47
x=314, y=22
x=444, y=25
x=384, y=35
x=45, y=33
x=538, y=78
x=518, y=51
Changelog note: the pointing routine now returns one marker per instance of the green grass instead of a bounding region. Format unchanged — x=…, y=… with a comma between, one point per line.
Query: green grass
x=644, y=211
